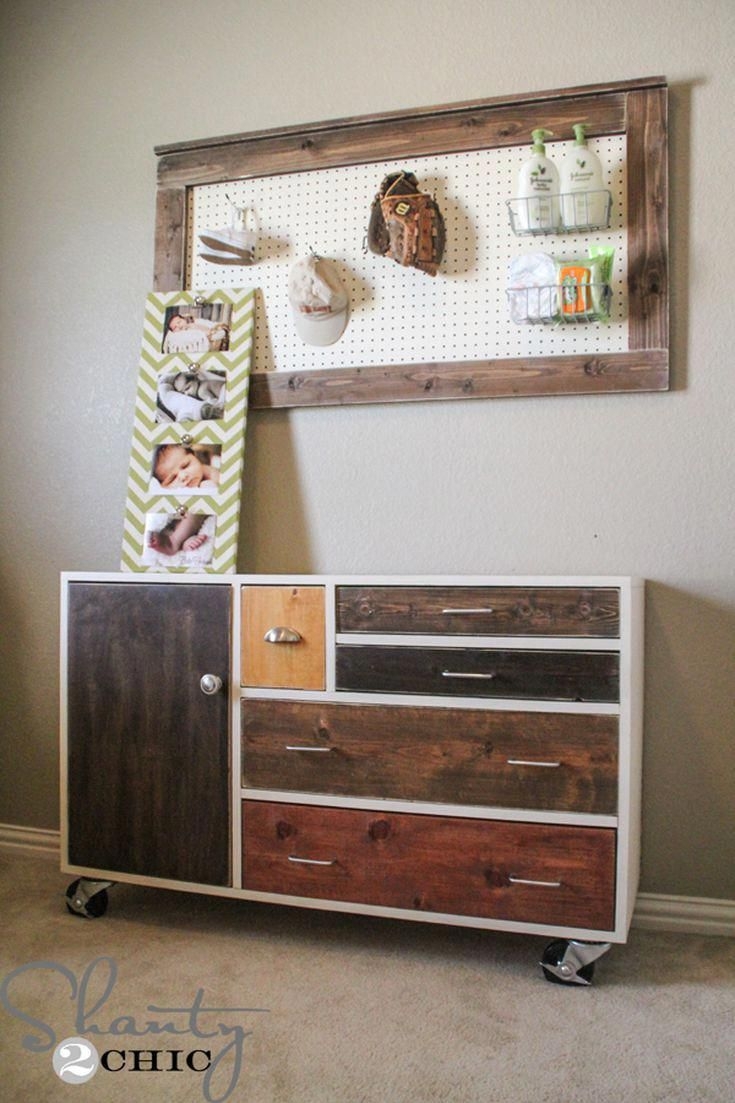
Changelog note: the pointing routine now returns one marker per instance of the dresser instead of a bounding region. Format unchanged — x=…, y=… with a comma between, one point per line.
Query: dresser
x=453, y=750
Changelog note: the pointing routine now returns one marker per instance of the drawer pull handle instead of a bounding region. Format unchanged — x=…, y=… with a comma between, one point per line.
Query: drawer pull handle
x=528, y=762
x=459, y=612
x=464, y=674
x=282, y=635
x=311, y=861
x=312, y=750
x=542, y=884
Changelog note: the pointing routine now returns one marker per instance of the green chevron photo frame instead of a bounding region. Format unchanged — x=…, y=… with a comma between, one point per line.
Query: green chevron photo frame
x=184, y=482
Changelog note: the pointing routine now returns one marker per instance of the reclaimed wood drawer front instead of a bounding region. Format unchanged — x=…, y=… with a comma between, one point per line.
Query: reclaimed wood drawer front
x=283, y=637
x=549, y=761
x=480, y=672
x=528, y=873
x=479, y=610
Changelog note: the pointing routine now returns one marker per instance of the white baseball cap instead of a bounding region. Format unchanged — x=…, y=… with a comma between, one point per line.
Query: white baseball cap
x=318, y=300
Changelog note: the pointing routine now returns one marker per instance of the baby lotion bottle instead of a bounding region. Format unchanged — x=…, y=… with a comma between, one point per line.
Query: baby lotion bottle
x=584, y=202
x=538, y=189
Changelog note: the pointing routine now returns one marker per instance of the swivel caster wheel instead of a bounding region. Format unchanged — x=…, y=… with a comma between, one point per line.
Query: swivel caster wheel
x=567, y=961
x=88, y=898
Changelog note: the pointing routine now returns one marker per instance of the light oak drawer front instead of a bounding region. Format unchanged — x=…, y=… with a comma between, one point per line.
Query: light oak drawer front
x=283, y=637
x=453, y=756
x=509, y=871
x=480, y=672
x=479, y=610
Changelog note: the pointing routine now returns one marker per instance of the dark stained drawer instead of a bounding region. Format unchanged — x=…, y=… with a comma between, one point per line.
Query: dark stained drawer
x=479, y=610
x=550, y=761
x=480, y=672
x=522, y=872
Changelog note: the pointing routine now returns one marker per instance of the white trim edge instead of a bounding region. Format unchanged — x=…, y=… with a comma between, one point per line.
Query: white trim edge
x=30, y=838
x=684, y=914
x=653, y=911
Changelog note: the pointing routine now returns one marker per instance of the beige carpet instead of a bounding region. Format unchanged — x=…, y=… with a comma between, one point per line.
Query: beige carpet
x=359, y=1010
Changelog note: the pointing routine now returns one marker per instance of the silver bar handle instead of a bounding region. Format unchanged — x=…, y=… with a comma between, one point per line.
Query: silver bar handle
x=542, y=884
x=312, y=750
x=489, y=609
x=465, y=674
x=528, y=762
x=281, y=634
x=311, y=861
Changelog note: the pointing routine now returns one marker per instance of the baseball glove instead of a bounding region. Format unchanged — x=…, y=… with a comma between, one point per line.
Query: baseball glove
x=406, y=224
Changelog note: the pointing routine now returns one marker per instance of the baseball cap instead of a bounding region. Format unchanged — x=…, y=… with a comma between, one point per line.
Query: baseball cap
x=318, y=300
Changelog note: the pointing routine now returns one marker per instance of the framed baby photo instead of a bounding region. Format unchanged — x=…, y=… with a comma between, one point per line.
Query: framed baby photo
x=186, y=461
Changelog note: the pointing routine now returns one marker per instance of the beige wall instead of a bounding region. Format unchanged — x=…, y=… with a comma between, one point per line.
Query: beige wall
x=620, y=484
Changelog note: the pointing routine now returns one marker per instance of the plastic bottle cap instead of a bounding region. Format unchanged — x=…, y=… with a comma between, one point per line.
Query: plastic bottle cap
x=579, y=129
x=538, y=139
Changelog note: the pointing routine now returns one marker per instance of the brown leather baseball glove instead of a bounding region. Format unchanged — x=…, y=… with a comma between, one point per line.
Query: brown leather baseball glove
x=406, y=224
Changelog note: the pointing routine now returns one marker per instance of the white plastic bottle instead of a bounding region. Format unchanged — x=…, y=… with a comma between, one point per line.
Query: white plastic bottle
x=537, y=206
x=584, y=201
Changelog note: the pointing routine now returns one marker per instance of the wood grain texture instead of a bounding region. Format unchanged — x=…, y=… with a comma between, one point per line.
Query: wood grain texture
x=443, y=755
x=615, y=372
x=647, y=165
x=432, y=863
x=299, y=665
x=479, y=610
x=148, y=757
x=170, y=241
x=364, y=140
x=480, y=672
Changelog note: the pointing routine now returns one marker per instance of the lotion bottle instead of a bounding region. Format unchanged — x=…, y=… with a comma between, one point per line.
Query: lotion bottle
x=584, y=202
x=538, y=189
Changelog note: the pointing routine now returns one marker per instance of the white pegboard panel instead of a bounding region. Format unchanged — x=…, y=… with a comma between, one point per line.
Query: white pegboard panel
x=400, y=315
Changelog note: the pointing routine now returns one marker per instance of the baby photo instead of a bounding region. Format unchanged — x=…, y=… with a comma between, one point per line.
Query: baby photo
x=191, y=394
x=185, y=468
x=178, y=539
x=195, y=329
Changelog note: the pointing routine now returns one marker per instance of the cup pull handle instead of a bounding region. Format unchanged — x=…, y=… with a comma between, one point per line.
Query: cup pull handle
x=281, y=634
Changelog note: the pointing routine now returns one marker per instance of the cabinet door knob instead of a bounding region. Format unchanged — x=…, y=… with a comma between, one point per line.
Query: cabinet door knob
x=282, y=635
x=210, y=684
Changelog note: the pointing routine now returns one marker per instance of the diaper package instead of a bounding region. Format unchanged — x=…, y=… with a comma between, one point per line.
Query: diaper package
x=532, y=288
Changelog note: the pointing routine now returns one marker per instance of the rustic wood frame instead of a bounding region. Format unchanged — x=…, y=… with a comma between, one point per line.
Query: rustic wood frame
x=636, y=108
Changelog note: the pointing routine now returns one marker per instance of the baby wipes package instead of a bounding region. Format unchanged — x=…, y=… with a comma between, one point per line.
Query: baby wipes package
x=584, y=284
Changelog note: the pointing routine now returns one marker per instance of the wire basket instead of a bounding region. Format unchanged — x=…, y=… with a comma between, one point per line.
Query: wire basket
x=566, y=213
x=572, y=302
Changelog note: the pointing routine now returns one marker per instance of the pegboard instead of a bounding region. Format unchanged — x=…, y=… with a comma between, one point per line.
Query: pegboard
x=401, y=315
x=411, y=337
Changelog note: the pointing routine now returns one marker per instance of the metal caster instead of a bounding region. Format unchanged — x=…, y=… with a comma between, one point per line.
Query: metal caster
x=567, y=961
x=88, y=898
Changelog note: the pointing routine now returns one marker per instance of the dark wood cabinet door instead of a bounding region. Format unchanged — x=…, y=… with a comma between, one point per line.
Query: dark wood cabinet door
x=148, y=750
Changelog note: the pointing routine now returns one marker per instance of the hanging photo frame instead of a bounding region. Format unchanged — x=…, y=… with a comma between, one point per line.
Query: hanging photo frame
x=184, y=483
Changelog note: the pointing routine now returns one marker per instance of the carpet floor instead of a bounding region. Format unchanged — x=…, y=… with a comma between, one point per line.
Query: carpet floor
x=188, y=997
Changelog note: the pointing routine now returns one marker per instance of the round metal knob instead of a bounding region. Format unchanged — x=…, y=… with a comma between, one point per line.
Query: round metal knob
x=210, y=684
